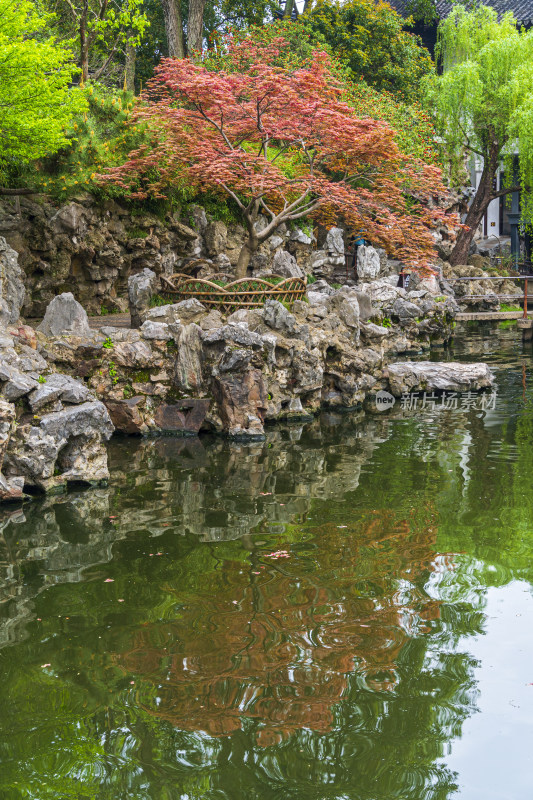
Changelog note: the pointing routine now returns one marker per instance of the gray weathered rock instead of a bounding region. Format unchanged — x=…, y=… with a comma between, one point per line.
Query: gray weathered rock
x=242, y=403
x=10, y=489
x=374, y=332
x=82, y=420
x=236, y=335
x=188, y=375
x=317, y=298
x=405, y=310
x=17, y=384
x=346, y=306
x=137, y=355
x=190, y=310
x=71, y=218
x=235, y=360
x=211, y=320
x=155, y=330
x=64, y=315
x=299, y=236
x=141, y=287
x=277, y=317
x=215, y=238
x=12, y=289
x=59, y=387
x=335, y=241
x=275, y=241
x=162, y=314
x=417, y=376
x=366, y=309
x=368, y=263
x=66, y=446
x=323, y=287
x=7, y=419
x=285, y=265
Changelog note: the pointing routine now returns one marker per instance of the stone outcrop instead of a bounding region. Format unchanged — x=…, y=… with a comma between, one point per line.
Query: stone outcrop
x=53, y=430
x=188, y=368
x=96, y=249
x=10, y=488
x=141, y=287
x=64, y=315
x=89, y=248
x=430, y=376
x=368, y=263
x=12, y=289
x=484, y=294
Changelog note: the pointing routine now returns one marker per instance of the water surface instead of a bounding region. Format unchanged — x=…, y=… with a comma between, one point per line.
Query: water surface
x=342, y=612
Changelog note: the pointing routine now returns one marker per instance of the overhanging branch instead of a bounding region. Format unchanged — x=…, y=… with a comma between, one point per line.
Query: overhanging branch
x=16, y=192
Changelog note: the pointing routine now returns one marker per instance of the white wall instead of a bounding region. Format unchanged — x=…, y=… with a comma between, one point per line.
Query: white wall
x=493, y=211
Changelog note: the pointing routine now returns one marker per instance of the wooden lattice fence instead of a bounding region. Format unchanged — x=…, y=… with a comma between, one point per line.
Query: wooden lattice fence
x=244, y=293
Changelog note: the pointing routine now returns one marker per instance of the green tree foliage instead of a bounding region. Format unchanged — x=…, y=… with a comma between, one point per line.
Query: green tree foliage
x=422, y=10
x=99, y=31
x=370, y=38
x=102, y=137
x=36, y=102
x=483, y=104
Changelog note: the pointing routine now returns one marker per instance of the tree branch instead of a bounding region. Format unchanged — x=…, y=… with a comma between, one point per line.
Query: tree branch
x=502, y=192
x=16, y=192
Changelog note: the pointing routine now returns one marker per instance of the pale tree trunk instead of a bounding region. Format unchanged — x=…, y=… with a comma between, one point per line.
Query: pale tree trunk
x=195, y=27
x=84, y=42
x=173, y=28
x=478, y=206
x=129, y=70
x=289, y=7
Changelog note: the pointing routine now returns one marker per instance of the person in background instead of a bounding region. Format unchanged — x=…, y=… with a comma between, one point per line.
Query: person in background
x=357, y=242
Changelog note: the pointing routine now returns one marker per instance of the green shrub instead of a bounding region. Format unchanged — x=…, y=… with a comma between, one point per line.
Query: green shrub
x=103, y=137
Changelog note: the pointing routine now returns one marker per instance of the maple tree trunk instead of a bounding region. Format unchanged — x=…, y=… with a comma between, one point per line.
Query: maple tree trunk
x=84, y=42
x=129, y=70
x=195, y=26
x=247, y=251
x=173, y=28
x=478, y=206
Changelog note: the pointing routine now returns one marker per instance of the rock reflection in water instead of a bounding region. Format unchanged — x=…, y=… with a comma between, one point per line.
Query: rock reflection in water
x=210, y=666
x=214, y=489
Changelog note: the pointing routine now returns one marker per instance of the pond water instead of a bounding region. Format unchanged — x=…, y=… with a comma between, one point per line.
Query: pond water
x=342, y=612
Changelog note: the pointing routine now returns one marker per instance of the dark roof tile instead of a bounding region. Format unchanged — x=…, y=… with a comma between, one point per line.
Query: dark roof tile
x=522, y=9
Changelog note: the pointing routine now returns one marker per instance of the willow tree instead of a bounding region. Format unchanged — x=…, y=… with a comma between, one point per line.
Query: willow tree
x=483, y=103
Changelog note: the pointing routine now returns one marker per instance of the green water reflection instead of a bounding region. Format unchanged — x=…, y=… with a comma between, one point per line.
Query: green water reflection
x=308, y=617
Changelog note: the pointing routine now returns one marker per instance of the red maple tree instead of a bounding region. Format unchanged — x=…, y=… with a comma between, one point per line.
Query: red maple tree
x=283, y=144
